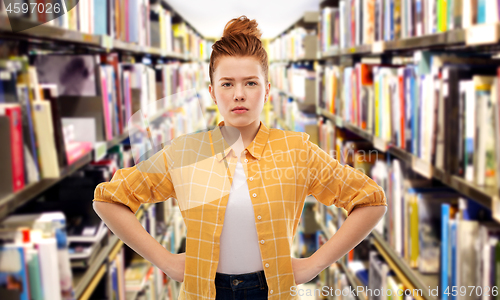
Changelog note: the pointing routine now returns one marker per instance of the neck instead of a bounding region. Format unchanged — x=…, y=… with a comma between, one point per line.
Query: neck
x=242, y=136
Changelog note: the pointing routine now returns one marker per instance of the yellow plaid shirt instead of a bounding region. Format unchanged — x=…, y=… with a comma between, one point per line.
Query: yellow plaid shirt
x=281, y=167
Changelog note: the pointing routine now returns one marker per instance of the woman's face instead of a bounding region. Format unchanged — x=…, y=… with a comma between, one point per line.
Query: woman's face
x=239, y=82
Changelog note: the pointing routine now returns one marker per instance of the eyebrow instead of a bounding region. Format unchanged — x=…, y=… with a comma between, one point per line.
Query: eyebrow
x=232, y=79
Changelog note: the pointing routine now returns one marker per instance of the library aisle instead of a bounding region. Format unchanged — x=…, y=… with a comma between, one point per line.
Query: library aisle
x=405, y=91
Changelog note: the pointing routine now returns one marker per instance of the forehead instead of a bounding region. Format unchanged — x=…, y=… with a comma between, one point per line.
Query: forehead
x=238, y=67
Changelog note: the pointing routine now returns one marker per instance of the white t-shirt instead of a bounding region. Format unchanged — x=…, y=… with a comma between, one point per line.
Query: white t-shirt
x=239, y=246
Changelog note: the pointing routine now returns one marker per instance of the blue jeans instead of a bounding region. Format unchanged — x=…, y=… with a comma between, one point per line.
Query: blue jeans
x=241, y=286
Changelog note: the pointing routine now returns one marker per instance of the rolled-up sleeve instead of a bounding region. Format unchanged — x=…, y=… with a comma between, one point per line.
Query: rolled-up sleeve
x=332, y=183
x=147, y=182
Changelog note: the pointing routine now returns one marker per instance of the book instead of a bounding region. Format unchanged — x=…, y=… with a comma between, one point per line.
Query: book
x=13, y=113
x=53, y=251
x=32, y=165
x=13, y=273
x=136, y=275
x=44, y=132
x=429, y=216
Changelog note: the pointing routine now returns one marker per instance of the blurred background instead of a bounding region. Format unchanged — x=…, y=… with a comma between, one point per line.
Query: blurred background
x=404, y=90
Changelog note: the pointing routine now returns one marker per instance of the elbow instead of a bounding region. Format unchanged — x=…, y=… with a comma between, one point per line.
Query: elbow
x=381, y=204
x=379, y=211
x=105, y=208
x=97, y=206
x=383, y=210
x=376, y=212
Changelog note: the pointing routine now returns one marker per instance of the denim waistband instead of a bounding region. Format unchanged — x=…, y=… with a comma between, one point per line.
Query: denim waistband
x=241, y=281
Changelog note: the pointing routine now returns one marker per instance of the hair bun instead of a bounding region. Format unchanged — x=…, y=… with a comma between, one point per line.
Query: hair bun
x=242, y=25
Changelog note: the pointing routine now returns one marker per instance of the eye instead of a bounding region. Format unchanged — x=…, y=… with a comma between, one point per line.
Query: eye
x=252, y=83
x=226, y=84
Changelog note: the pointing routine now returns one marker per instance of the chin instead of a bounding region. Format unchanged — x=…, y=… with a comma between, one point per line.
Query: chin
x=241, y=122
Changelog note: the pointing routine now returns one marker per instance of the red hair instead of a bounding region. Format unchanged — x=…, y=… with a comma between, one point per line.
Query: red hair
x=241, y=38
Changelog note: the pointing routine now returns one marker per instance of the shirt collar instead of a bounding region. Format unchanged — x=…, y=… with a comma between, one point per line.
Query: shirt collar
x=221, y=148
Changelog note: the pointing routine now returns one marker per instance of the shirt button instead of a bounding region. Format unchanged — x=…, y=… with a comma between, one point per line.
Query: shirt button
x=254, y=195
x=259, y=217
x=271, y=291
x=262, y=241
x=246, y=160
x=267, y=265
x=251, y=178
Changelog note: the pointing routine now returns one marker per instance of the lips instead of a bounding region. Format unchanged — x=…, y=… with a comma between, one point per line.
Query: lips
x=239, y=108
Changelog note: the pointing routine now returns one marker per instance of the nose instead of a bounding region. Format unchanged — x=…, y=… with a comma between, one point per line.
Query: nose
x=239, y=93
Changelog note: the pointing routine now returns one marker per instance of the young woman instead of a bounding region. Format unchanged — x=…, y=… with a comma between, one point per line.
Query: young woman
x=241, y=188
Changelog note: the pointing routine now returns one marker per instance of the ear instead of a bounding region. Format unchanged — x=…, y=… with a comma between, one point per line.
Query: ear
x=211, y=91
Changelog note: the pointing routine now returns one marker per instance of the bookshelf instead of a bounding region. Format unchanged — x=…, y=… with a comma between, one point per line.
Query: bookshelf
x=483, y=38
x=481, y=194
x=485, y=195
x=288, y=60
x=353, y=280
x=350, y=276
x=453, y=38
x=44, y=32
x=179, y=69
x=287, y=94
x=373, y=29
x=404, y=51
x=460, y=39
x=456, y=39
x=364, y=49
x=86, y=282
x=403, y=276
x=410, y=278
x=11, y=202
x=296, y=43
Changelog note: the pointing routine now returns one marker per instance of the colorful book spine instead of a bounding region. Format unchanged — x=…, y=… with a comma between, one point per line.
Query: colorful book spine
x=13, y=112
x=445, y=217
x=481, y=11
x=453, y=259
x=106, y=105
x=442, y=14
x=100, y=17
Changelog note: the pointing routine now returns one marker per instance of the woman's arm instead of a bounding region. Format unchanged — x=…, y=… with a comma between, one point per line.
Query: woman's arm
x=332, y=183
x=355, y=228
x=122, y=222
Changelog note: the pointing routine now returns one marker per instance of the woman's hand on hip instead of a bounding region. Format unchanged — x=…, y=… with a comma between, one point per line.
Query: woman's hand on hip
x=304, y=269
x=176, y=267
